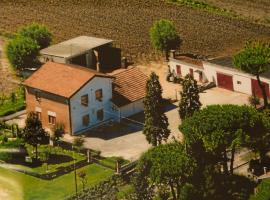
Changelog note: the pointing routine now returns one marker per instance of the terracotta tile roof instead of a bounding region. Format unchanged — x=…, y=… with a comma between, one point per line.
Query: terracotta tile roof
x=198, y=63
x=61, y=79
x=129, y=86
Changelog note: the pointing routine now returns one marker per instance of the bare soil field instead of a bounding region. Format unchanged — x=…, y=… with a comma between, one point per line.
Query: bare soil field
x=257, y=10
x=128, y=23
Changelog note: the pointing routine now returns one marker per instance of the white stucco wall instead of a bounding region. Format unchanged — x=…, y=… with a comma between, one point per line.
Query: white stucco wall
x=78, y=110
x=132, y=108
x=185, y=67
x=241, y=80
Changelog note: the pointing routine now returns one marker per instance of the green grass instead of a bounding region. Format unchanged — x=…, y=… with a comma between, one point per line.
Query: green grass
x=204, y=6
x=8, y=107
x=263, y=191
x=53, y=151
x=18, y=186
x=111, y=162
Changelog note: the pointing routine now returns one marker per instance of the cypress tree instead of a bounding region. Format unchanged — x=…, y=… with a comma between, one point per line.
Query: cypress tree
x=156, y=122
x=190, y=99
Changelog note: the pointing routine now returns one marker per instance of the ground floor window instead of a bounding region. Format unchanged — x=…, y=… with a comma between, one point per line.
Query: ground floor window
x=100, y=115
x=85, y=120
x=52, y=119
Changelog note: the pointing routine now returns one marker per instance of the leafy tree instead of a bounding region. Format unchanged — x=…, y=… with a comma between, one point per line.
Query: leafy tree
x=190, y=99
x=38, y=33
x=166, y=165
x=58, y=132
x=33, y=132
x=254, y=101
x=255, y=59
x=164, y=37
x=156, y=123
x=22, y=52
x=219, y=128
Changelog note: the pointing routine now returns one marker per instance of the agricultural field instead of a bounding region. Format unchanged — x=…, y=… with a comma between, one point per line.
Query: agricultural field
x=128, y=23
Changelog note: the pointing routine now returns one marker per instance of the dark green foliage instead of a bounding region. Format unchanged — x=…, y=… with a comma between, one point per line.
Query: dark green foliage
x=218, y=128
x=33, y=132
x=22, y=52
x=254, y=101
x=165, y=165
x=156, y=123
x=58, y=132
x=255, y=59
x=188, y=192
x=190, y=99
x=78, y=143
x=262, y=191
x=164, y=36
x=38, y=33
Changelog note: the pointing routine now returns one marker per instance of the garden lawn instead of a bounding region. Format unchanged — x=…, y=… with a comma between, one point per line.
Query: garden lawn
x=8, y=107
x=18, y=186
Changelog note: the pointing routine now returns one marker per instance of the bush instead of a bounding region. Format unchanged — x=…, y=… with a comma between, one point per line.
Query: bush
x=254, y=101
x=38, y=33
x=22, y=52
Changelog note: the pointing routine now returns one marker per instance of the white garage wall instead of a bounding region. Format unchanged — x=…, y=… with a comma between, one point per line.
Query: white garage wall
x=78, y=110
x=185, y=69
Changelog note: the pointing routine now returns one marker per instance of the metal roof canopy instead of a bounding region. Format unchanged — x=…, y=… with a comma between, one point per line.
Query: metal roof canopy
x=74, y=47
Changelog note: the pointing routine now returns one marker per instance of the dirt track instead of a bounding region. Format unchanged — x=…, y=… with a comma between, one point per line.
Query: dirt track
x=128, y=22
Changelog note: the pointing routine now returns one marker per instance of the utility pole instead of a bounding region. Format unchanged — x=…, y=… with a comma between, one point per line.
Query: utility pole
x=75, y=173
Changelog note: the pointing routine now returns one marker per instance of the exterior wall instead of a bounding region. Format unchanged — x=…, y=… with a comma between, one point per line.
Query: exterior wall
x=132, y=108
x=78, y=110
x=45, y=58
x=45, y=106
x=185, y=69
x=241, y=80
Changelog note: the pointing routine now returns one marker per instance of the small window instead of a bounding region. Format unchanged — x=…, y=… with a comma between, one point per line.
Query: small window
x=52, y=120
x=84, y=100
x=85, y=120
x=239, y=82
x=100, y=115
x=38, y=115
x=99, y=95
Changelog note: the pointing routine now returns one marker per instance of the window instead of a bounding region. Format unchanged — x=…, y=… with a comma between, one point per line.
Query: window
x=239, y=82
x=84, y=100
x=52, y=120
x=38, y=115
x=85, y=120
x=99, y=95
x=100, y=114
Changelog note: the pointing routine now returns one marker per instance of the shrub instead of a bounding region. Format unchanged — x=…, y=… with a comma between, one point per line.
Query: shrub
x=38, y=33
x=22, y=52
x=254, y=101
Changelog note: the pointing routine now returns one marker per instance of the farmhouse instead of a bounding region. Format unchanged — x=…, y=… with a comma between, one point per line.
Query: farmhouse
x=81, y=98
x=221, y=71
x=95, y=53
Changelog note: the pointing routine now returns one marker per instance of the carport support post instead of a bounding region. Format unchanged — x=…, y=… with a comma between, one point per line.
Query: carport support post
x=118, y=167
x=89, y=156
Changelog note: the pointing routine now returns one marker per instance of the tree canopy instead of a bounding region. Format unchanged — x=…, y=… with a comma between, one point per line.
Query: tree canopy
x=255, y=59
x=167, y=165
x=38, y=33
x=33, y=132
x=156, y=122
x=22, y=52
x=222, y=127
x=190, y=99
x=163, y=36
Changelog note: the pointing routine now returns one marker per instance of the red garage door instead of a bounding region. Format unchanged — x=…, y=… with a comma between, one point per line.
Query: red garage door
x=225, y=81
x=256, y=90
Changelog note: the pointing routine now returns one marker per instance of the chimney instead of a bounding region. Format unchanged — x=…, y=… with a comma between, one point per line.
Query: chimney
x=172, y=53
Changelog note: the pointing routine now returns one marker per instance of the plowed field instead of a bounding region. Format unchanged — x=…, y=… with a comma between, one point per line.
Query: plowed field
x=128, y=22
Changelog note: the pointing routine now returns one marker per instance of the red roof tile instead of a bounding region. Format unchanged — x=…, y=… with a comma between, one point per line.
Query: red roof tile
x=61, y=79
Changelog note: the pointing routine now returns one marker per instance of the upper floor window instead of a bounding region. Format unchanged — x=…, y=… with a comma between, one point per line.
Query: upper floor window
x=38, y=113
x=100, y=115
x=99, y=95
x=52, y=119
x=84, y=100
x=85, y=120
x=38, y=95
